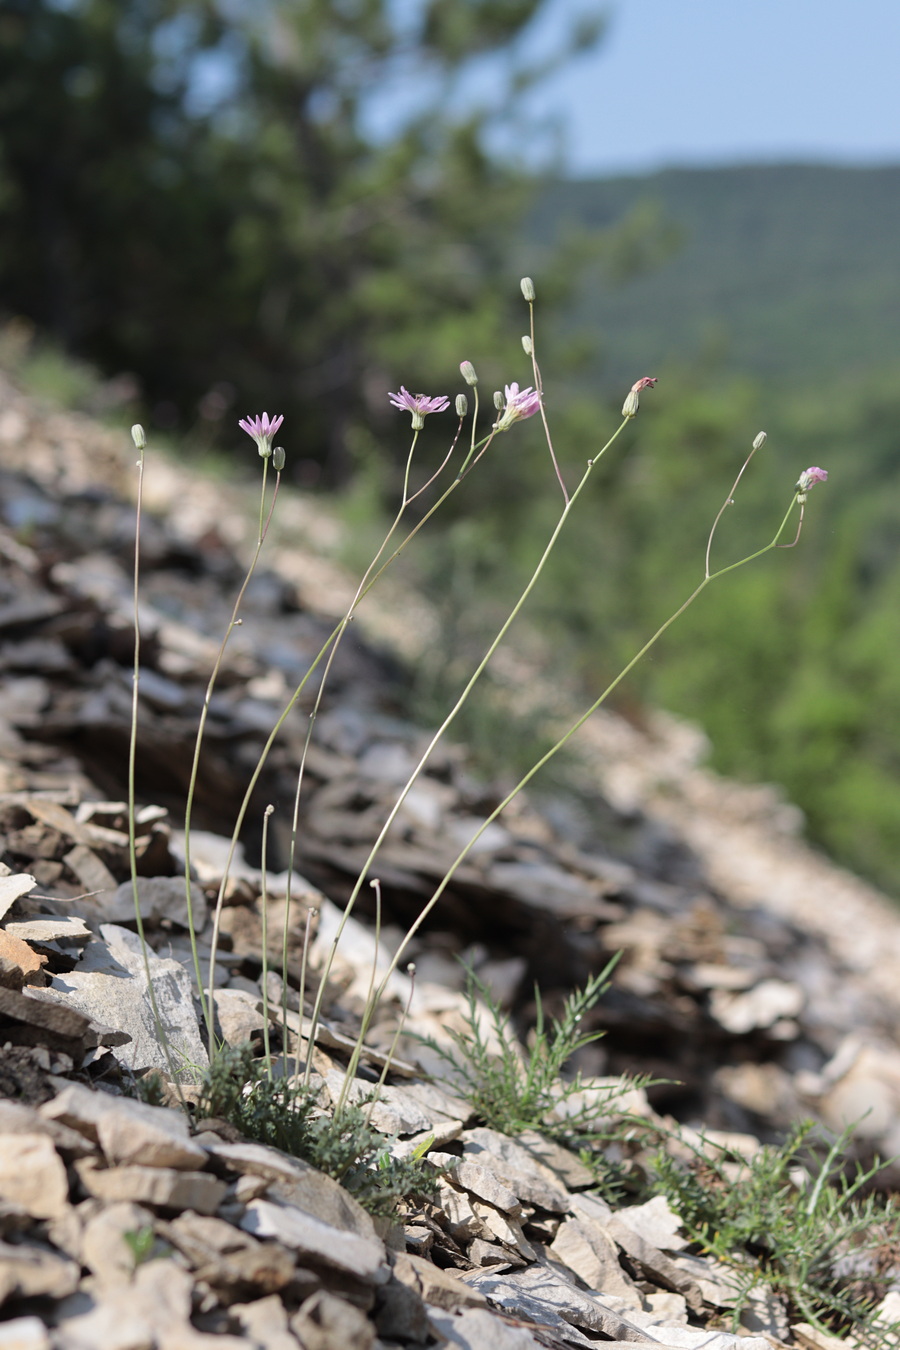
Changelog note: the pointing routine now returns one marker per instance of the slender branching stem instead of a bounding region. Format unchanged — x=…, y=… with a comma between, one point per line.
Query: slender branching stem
x=554, y=750
x=264, y=901
x=447, y=722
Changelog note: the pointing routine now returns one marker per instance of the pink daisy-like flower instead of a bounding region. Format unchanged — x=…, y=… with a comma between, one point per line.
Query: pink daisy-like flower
x=262, y=430
x=809, y=478
x=519, y=404
x=418, y=405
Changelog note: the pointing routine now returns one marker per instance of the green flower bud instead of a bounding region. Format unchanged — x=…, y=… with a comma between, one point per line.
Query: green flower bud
x=759, y=440
x=462, y=405
x=137, y=435
x=278, y=458
x=467, y=370
x=498, y=399
x=527, y=345
x=527, y=288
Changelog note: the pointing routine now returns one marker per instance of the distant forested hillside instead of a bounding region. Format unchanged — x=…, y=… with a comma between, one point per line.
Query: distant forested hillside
x=789, y=272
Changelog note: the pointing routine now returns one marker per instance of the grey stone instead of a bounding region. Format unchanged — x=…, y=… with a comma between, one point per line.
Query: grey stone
x=479, y=1181
x=504, y=1228
x=513, y=1163
x=12, y=887
x=50, y=928
x=562, y=1162
x=588, y=1251
x=239, y=1015
x=126, y=1130
x=541, y=1296
x=393, y=1112
x=160, y=898
x=437, y=1288
x=654, y=1263
x=111, y=985
x=476, y=1329
x=317, y=1241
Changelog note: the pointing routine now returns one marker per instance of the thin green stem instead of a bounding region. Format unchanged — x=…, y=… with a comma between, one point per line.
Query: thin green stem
x=198, y=743
x=264, y=900
x=132, y=800
x=539, y=386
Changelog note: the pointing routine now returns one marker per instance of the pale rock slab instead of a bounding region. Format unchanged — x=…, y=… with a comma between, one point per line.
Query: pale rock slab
x=531, y=1180
x=588, y=1251
x=34, y=1272
x=126, y=1130
x=32, y=1175
x=364, y=1258
x=478, y=1180
x=476, y=1329
x=24, y=1333
x=162, y=1186
x=264, y=1322
x=111, y=986
x=656, y=1223
x=437, y=1288
x=298, y=1184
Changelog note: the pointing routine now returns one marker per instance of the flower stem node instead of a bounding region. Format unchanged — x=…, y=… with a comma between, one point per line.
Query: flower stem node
x=137, y=435
x=262, y=430
x=527, y=288
x=467, y=370
x=633, y=397
x=418, y=405
x=462, y=405
x=519, y=404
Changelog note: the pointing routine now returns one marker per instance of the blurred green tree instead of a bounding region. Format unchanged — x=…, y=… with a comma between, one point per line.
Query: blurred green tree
x=191, y=190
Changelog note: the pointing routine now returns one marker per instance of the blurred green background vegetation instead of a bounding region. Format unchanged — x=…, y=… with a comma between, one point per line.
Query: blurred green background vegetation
x=192, y=205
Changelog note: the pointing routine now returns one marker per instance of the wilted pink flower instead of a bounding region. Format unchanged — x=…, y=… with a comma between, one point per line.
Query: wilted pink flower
x=519, y=404
x=809, y=478
x=633, y=397
x=419, y=405
x=262, y=431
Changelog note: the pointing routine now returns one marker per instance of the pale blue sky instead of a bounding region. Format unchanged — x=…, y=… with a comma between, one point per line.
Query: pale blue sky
x=723, y=81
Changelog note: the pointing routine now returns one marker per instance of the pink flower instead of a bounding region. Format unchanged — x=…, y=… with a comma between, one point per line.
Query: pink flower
x=262, y=430
x=419, y=405
x=809, y=478
x=633, y=397
x=520, y=403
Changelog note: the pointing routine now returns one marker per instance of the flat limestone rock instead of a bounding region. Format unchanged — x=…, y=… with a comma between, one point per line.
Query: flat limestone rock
x=476, y=1329
x=438, y=1288
x=50, y=928
x=12, y=887
x=299, y=1184
x=35, y=1272
x=655, y=1222
x=318, y=1241
x=162, y=1186
x=111, y=986
x=17, y=952
x=24, y=1333
x=33, y=1175
x=531, y=1180
x=104, y=1246
x=539, y=1295
x=126, y=1130
x=325, y=1322
x=590, y=1253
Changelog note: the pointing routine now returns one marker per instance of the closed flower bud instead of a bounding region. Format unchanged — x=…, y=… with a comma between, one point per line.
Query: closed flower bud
x=527, y=288
x=498, y=399
x=759, y=440
x=137, y=435
x=633, y=397
x=462, y=405
x=527, y=345
x=278, y=458
x=467, y=370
